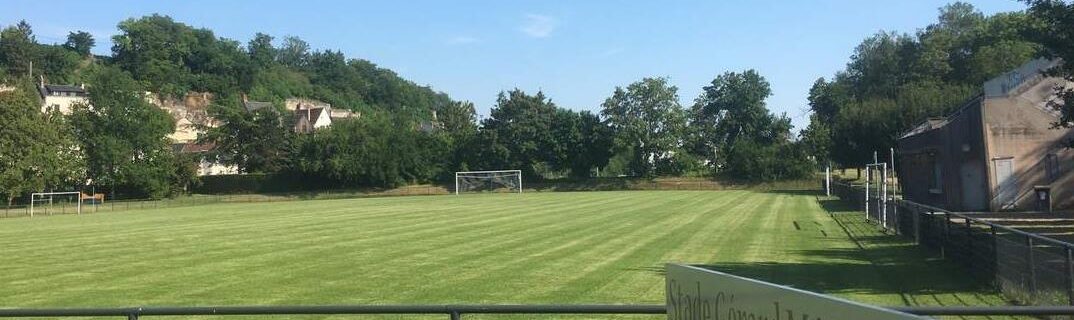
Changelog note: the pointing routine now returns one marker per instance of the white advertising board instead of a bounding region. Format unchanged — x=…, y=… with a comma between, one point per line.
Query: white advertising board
x=699, y=294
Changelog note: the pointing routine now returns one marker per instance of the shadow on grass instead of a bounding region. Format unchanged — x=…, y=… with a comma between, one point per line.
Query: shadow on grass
x=879, y=264
x=797, y=192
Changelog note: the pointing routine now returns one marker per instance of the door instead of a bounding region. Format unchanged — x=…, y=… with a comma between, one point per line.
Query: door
x=973, y=186
x=1005, y=180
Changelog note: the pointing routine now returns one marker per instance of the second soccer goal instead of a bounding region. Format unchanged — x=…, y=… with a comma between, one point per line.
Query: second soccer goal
x=488, y=181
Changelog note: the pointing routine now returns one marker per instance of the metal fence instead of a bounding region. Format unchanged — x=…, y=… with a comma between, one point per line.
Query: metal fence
x=456, y=312
x=1026, y=267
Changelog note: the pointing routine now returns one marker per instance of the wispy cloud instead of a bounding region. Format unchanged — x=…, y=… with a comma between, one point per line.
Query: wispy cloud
x=461, y=40
x=539, y=26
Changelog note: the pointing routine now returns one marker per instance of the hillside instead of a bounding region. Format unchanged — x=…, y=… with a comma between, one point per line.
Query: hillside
x=171, y=59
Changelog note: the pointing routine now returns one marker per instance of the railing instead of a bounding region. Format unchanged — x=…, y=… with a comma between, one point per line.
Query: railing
x=1027, y=267
x=455, y=312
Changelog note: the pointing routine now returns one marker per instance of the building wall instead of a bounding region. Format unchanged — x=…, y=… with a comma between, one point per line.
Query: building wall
x=1018, y=128
x=209, y=168
x=956, y=151
x=63, y=103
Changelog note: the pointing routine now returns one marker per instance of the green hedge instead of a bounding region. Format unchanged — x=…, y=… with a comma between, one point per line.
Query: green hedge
x=254, y=183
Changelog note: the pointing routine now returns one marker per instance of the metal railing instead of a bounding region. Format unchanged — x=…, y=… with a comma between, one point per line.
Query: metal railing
x=456, y=312
x=1027, y=267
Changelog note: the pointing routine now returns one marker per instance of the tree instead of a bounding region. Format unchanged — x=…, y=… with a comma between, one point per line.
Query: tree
x=261, y=51
x=125, y=138
x=37, y=152
x=732, y=107
x=375, y=151
x=582, y=143
x=80, y=42
x=255, y=141
x=742, y=139
x=523, y=125
x=647, y=120
x=817, y=139
x=294, y=52
x=17, y=48
x=1057, y=38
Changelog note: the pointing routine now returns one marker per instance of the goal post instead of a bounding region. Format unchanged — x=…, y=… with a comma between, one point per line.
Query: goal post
x=490, y=180
x=48, y=200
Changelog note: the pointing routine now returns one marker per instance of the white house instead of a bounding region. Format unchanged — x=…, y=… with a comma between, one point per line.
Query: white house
x=61, y=97
x=311, y=115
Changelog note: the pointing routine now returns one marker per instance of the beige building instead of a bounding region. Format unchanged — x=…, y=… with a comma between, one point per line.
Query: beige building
x=995, y=151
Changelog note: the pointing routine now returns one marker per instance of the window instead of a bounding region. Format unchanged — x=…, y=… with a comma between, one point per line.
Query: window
x=1051, y=166
x=936, y=180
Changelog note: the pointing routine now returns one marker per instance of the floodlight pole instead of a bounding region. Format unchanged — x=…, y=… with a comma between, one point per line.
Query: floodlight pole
x=884, y=195
x=868, y=173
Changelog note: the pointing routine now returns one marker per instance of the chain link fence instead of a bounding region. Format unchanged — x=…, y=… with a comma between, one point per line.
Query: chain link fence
x=1026, y=267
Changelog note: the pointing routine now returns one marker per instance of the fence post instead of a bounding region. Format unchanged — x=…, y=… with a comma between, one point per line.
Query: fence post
x=946, y=231
x=969, y=241
x=1070, y=276
x=1031, y=263
x=455, y=315
x=995, y=250
x=916, y=216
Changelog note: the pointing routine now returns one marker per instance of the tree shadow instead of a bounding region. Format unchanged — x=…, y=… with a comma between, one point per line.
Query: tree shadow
x=796, y=192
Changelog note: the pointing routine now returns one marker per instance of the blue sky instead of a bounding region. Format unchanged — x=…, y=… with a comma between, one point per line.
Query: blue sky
x=575, y=51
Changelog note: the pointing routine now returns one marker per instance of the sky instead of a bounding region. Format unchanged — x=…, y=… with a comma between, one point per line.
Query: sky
x=576, y=52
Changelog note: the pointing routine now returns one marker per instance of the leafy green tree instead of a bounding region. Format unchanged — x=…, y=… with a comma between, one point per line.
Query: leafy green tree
x=646, y=119
x=58, y=64
x=124, y=137
x=1056, y=36
x=523, y=124
x=294, y=52
x=261, y=51
x=255, y=141
x=582, y=143
x=18, y=48
x=174, y=58
x=37, y=152
x=817, y=139
x=80, y=42
x=733, y=107
x=374, y=151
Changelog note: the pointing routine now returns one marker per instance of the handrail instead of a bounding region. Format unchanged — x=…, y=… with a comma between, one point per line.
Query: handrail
x=1048, y=240
x=455, y=311
x=1060, y=243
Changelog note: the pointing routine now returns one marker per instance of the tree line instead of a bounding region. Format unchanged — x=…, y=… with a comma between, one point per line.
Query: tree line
x=895, y=81
x=410, y=133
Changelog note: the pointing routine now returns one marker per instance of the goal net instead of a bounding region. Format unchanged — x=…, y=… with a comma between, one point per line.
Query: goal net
x=488, y=181
x=55, y=203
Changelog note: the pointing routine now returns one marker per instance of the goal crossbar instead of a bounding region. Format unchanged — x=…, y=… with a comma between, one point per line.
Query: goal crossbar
x=35, y=195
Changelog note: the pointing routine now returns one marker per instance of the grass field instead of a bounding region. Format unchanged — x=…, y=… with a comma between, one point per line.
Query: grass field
x=581, y=247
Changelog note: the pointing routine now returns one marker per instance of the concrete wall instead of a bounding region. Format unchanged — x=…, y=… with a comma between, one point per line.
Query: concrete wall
x=1018, y=127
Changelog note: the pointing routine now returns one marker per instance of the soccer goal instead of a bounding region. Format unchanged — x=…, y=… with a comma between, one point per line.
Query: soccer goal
x=488, y=181
x=55, y=202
